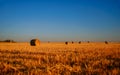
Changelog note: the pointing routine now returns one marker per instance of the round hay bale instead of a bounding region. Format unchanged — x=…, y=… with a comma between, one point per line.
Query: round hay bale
x=106, y=42
x=72, y=42
x=66, y=42
x=35, y=42
x=79, y=42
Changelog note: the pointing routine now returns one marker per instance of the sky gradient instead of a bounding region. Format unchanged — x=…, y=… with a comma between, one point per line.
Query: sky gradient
x=60, y=20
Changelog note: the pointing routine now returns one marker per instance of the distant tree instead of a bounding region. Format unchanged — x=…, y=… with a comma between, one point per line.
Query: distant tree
x=10, y=41
x=106, y=42
x=6, y=40
x=66, y=42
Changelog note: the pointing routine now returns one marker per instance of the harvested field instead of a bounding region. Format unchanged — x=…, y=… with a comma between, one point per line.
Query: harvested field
x=60, y=59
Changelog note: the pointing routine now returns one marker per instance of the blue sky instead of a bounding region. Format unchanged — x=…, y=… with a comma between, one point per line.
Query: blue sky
x=60, y=20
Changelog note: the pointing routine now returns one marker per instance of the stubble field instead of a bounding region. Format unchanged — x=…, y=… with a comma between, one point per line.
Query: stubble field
x=60, y=59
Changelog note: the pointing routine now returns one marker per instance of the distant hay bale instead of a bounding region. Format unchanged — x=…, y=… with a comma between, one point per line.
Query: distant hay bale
x=35, y=42
x=106, y=42
x=66, y=42
x=88, y=41
x=72, y=42
x=79, y=42
x=48, y=41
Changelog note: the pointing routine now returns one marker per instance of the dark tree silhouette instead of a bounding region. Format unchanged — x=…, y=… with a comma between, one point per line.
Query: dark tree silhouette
x=12, y=41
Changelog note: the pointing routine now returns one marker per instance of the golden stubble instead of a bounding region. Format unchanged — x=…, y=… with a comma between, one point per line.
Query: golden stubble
x=59, y=58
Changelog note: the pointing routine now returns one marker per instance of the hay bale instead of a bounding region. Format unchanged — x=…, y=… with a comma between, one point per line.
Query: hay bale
x=35, y=42
x=79, y=42
x=72, y=42
x=66, y=42
x=88, y=41
x=106, y=42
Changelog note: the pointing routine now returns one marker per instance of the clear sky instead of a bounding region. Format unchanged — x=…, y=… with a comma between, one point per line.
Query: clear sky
x=60, y=20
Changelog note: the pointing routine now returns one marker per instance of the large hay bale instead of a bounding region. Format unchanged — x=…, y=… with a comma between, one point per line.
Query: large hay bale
x=35, y=42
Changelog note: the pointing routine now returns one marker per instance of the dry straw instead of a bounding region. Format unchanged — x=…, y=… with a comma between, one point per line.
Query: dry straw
x=35, y=42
